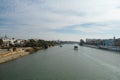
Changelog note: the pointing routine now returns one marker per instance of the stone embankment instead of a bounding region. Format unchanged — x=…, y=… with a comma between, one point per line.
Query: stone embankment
x=111, y=48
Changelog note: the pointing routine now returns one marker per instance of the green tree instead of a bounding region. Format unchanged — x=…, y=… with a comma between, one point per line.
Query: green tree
x=81, y=42
x=1, y=41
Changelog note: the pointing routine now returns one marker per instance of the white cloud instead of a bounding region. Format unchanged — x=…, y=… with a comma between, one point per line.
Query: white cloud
x=58, y=14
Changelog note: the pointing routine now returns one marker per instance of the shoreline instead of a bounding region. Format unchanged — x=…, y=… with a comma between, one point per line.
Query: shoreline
x=12, y=57
x=110, y=48
x=20, y=52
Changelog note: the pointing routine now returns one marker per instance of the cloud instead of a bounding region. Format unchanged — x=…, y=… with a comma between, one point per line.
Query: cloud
x=43, y=18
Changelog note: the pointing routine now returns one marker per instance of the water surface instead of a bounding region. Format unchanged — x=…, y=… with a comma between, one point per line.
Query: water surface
x=64, y=63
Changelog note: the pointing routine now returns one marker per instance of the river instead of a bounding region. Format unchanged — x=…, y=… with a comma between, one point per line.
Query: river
x=64, y=63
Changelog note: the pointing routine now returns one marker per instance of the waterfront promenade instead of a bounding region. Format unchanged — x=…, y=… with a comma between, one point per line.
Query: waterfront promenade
x=111, y=48
x=6, y=56
x=2, y=51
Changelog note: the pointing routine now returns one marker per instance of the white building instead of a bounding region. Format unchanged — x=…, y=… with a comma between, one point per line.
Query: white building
x=20, y=42
x=8, y=41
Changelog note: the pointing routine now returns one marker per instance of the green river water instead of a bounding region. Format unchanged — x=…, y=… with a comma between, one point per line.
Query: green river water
x=64, y=63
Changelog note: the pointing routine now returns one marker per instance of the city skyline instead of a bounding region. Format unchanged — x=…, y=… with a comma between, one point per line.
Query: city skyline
x=60, y=19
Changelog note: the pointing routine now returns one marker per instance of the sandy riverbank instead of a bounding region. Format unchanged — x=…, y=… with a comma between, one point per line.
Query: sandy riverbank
x=2, y=51
x=19, y=52
x=11, y=55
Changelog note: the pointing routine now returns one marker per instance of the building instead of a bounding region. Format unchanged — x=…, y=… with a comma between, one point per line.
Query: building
x=19, y=42
x=90, y=41
x=117, y=42
x=7, y=42
x=109, y=42
x=105, y=42
x=94, y=41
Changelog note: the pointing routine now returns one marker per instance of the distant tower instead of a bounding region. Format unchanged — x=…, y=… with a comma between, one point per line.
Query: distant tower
x=6, y=36
x=114, y=38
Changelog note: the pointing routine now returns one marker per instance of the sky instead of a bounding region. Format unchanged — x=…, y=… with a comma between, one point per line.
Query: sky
x=60, y=19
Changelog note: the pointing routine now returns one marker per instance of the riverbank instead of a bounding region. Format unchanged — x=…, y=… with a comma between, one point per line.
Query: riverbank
x=2, y=51
x=11, y=55
x=111, y=48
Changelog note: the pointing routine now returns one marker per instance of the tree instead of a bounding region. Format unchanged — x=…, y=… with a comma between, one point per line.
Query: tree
x=81, y=42
x=1, y=42
x=31, y=43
